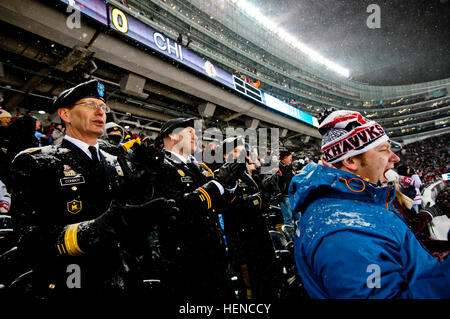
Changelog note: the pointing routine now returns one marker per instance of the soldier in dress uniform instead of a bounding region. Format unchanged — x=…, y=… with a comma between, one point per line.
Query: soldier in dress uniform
x=192, y=247
x=249, y=244
x=69, y=229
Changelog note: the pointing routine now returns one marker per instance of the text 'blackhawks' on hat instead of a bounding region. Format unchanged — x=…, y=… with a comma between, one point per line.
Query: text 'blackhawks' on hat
x=348, y=133
x=90, y=89
x=178, y=123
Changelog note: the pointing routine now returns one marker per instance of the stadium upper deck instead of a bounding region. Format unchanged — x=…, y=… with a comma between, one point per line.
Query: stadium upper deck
x=232, y=39
x=41, y=56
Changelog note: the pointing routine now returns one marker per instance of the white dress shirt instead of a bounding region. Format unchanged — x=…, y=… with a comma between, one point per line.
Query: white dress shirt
x=82, y=145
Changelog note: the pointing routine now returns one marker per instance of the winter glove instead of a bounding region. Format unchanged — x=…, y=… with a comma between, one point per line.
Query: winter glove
x=119, y=222
x=120, y=219
x=140, y=165
x=229, y=173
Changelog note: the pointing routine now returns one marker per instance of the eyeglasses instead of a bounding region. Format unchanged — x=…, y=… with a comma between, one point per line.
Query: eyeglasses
x=93, y=106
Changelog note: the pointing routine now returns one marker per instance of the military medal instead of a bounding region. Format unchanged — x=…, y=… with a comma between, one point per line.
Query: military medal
x=68, y=171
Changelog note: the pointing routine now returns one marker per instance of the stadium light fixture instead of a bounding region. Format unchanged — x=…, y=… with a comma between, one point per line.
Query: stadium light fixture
x=254, y=13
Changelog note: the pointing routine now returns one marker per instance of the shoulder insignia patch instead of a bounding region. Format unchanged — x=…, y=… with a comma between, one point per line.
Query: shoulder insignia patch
x=74, y=206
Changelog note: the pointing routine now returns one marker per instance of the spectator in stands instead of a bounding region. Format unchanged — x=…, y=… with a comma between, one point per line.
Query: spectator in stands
x=189, y=41
x=58, y=134
x=404, y=204
x=180, y=38
x=128, y=134
x=307, y=161
x=112, y=138
x=21, y=135
x=298, y=164
x=5, y=118
x=443, y=200
x=38, y=132
x=349, y=244
x=4, y=160
x=5, y=199
x=410, y=180
x=429, y=157
x=125, y=3
x=278, y=184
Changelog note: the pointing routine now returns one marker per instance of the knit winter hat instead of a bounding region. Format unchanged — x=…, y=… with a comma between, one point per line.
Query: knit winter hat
x=348, y=133
x=4, y=113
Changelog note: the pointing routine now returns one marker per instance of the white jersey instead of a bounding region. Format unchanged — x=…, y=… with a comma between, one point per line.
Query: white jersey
x=5, y=198
x=415, y=181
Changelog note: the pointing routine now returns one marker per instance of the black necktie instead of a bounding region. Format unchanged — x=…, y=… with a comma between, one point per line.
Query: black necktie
x=94, y=155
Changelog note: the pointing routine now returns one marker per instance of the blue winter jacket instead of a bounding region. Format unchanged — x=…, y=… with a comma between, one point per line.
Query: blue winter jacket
x=349, y=244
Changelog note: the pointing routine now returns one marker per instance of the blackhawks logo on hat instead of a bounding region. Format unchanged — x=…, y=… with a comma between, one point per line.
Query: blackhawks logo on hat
x=100, y=89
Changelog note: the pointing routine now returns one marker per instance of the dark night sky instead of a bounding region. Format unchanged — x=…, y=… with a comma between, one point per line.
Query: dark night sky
x=412, y=45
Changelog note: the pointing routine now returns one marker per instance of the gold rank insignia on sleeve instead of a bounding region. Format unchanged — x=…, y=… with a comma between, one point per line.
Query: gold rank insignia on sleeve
x=74, y=206
x=70, y=244
x=204, y=195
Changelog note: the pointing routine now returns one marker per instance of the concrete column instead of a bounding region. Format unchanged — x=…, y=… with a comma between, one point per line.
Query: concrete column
x=252, y=124
x=206, y=109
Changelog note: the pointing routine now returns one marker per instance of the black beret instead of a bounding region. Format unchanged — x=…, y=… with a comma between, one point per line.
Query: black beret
x=90, y=89
x=173, y=124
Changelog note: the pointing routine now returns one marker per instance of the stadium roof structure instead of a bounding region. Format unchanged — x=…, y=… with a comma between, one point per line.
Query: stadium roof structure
x=298, y=78
x=409, y=45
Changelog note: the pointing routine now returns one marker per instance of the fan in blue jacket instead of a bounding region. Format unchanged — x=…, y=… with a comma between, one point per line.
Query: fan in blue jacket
x=349, y=242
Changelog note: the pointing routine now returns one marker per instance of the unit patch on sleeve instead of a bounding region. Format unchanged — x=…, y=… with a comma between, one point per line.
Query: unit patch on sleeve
x=74, y=206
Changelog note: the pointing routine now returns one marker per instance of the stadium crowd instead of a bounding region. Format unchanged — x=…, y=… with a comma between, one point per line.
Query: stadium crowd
x=429, y=157
x=157, y=221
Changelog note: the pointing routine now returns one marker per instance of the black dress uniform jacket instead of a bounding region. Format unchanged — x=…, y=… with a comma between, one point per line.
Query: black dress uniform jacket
x=250, y=247
x=192, y=246
x=58, y=186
